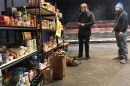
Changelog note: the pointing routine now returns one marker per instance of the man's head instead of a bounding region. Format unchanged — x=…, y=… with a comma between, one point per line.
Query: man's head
x=84, y=7
x=119, y=8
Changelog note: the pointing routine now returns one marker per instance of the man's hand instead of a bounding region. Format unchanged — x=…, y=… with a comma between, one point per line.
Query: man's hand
x=121, y=34
x=81, y=24
x=112, y=29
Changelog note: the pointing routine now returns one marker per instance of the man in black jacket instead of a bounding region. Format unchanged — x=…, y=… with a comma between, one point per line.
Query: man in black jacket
x=121, y=25
x=85, y=21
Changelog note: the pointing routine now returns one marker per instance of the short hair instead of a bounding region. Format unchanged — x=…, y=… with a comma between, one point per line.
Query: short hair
x=84, y=5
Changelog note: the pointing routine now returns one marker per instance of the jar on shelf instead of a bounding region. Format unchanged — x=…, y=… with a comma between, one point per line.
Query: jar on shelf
x=11, y=21
x=5, y=57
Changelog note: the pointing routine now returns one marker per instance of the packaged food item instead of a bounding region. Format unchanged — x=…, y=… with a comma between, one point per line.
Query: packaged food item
x=7, y=78
x=31, y=3
x=5, y=57
x=1, y=61
x=4, y=20
x=31, y=75
x=11, y=21
x=1, y=79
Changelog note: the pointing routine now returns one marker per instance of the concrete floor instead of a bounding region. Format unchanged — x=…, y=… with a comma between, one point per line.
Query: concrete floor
x=100, y=70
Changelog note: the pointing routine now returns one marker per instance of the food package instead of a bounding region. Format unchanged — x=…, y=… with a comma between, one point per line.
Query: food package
x=32, y=2
x=4, y=20
x=46, y=5
x=27, y=35
x=10, y=11
x=31, y=45
x=59, y=27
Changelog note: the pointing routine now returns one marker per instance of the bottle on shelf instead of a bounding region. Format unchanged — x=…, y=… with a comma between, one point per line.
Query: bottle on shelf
x=1, y=61
x=1, y=79
x=30, y=75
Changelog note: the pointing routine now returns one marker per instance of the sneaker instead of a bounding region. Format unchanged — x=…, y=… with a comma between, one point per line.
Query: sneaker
x=123, y=61
x=78, y=58
x=87, y=58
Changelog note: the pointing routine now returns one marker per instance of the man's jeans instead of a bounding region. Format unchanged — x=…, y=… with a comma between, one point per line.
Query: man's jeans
x=122, y=44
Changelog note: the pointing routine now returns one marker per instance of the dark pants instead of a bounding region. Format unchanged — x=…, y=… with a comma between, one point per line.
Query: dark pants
x=81, y=42
x=122, y=44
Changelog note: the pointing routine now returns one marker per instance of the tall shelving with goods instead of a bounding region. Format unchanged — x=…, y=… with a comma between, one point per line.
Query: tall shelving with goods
x=46, y=13
x=15, y=56
x=39, y=31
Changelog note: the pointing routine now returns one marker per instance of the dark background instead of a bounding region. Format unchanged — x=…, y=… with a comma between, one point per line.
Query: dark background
x=102, y=9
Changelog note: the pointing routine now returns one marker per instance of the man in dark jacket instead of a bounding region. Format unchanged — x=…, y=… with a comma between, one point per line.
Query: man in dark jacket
x=85, y=21
x=121, y=25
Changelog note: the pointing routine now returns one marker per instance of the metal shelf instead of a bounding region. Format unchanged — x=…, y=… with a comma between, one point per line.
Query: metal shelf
x=49, y=30
x=49, y=51
x=63, y=44
x=51, y=18
x=16, y=61
x=18, y=28
x=44, y=12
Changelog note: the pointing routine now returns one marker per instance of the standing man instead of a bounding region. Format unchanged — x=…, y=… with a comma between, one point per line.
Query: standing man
x=85, y=21
x=121, y=25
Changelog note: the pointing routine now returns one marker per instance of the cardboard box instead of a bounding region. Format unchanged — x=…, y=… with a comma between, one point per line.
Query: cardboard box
x=58, y=64
x=48, y=76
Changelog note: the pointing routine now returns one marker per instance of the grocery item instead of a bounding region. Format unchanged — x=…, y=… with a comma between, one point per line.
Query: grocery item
x=1, y=56
x=31, y=75
x=4, y=20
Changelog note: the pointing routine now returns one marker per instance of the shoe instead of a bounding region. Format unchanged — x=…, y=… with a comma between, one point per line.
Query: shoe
x=87, y=58
x=78, y=58
x=123, y=61
x=118, y=58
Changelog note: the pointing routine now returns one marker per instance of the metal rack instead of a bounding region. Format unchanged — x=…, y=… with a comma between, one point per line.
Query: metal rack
x=16, y=61
x=40, y=13
x=43, y=13
x=16, y=29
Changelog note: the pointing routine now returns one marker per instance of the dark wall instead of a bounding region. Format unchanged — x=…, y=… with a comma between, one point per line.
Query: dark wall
x=17, y=3
x=102, y=9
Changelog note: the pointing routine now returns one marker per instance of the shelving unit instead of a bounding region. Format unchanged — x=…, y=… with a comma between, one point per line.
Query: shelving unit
x=17, y=28
x=49, y=50
x=49, y=30
x=43, y=14
x=40, y=13
x=16, y=61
